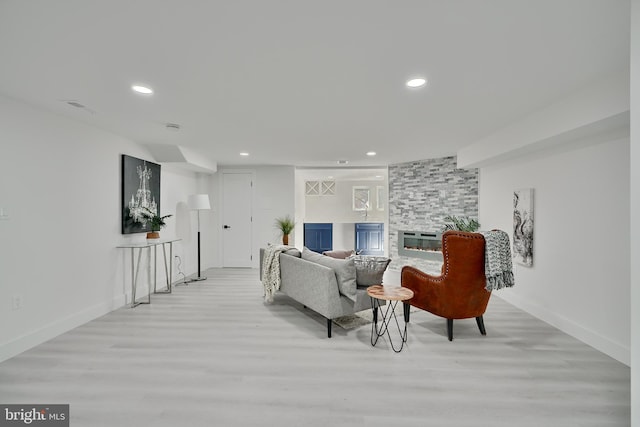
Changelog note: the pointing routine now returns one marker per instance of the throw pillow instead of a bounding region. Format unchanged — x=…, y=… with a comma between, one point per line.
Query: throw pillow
x=370, y=269
x=344, y=269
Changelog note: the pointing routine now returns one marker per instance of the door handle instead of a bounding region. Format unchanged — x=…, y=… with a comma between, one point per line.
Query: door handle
x=226, y=226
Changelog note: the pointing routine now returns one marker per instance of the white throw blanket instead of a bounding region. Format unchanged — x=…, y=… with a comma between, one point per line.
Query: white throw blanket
x=271, y=270
x=497, y=260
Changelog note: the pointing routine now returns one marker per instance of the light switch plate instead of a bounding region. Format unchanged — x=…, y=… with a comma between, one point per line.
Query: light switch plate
x=17, y=302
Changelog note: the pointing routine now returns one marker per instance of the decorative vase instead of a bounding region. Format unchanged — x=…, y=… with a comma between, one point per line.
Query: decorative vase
x=153, y=235
x=285, y=239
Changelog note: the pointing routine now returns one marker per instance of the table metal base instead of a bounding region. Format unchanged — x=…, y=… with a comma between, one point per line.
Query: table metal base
x=135, y=266
x=388, y=317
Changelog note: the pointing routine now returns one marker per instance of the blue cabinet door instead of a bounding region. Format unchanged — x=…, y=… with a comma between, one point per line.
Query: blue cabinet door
x=370, y=238
x=318, y=237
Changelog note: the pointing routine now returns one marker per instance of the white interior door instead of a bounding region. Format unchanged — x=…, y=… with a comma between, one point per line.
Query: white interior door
x=236, y=219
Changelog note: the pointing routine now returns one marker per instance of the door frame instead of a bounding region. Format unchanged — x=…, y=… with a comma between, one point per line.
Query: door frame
x=252, y=172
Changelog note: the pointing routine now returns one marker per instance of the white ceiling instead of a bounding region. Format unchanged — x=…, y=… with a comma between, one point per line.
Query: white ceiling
x=307, y=82
x=342, y=174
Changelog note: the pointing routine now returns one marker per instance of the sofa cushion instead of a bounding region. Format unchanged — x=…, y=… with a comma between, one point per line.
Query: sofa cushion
x=344, y=269
x=293, y=252
x=344, y=254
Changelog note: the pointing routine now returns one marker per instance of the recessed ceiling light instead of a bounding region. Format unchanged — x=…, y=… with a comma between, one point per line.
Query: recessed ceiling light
x=416, y=82
x=244, y=153
x=142, y=89
x=371, y=153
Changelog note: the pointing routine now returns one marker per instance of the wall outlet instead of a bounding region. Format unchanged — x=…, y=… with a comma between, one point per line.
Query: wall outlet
x=17, y=302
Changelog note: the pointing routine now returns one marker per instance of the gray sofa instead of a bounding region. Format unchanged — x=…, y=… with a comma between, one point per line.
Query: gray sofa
x=315, y=286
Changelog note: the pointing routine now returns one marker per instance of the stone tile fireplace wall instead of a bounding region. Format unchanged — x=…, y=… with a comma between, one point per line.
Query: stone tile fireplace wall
x=421, y=194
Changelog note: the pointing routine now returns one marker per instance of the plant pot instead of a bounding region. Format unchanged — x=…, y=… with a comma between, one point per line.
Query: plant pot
x=285, y=239
x=153, y=235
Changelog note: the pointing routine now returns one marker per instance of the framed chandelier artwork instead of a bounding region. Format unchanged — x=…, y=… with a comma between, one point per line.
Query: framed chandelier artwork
x=140, y=193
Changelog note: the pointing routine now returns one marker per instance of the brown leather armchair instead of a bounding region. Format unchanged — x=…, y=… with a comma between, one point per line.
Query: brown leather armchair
x=459, y=292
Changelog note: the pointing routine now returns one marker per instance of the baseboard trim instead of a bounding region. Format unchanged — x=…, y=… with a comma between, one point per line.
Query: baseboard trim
x=601, y=343
x=25, y=342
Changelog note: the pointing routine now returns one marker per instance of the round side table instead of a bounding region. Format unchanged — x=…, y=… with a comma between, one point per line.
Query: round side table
x=393, y=295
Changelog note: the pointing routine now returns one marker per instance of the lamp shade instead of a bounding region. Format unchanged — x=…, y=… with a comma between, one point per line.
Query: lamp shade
x=199, y=202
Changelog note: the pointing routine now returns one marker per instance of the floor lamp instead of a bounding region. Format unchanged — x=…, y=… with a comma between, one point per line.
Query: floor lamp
x=198, y=202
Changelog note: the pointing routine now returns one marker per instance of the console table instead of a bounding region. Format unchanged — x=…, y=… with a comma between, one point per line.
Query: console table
x=135, y=265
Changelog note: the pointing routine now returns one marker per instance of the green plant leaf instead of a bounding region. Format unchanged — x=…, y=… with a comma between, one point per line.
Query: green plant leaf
x=461, y=223
x=285, y=224
x=156, y=222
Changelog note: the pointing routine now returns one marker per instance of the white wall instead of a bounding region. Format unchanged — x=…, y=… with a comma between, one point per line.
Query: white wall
x=60, y=186
x=635, y=213
x=339, y=207
x=574, y=154
x=579, y=281
x=338, y=210
x=344, y=236
x=598, y=110
x=177, y=184
x=273, y=197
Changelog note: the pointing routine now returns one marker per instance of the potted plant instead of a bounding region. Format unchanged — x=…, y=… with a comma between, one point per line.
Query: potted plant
x=285, y=225
x=155, y=222
x=461, y=224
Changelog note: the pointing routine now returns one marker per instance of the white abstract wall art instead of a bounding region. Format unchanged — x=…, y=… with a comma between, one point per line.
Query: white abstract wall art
x=360, y=198
x=523, y=226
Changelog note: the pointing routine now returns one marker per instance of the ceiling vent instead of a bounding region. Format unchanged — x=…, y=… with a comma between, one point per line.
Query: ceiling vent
x=76, y=104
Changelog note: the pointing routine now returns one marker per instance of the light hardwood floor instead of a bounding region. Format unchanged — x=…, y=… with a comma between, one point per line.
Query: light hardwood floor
x=213, y=354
